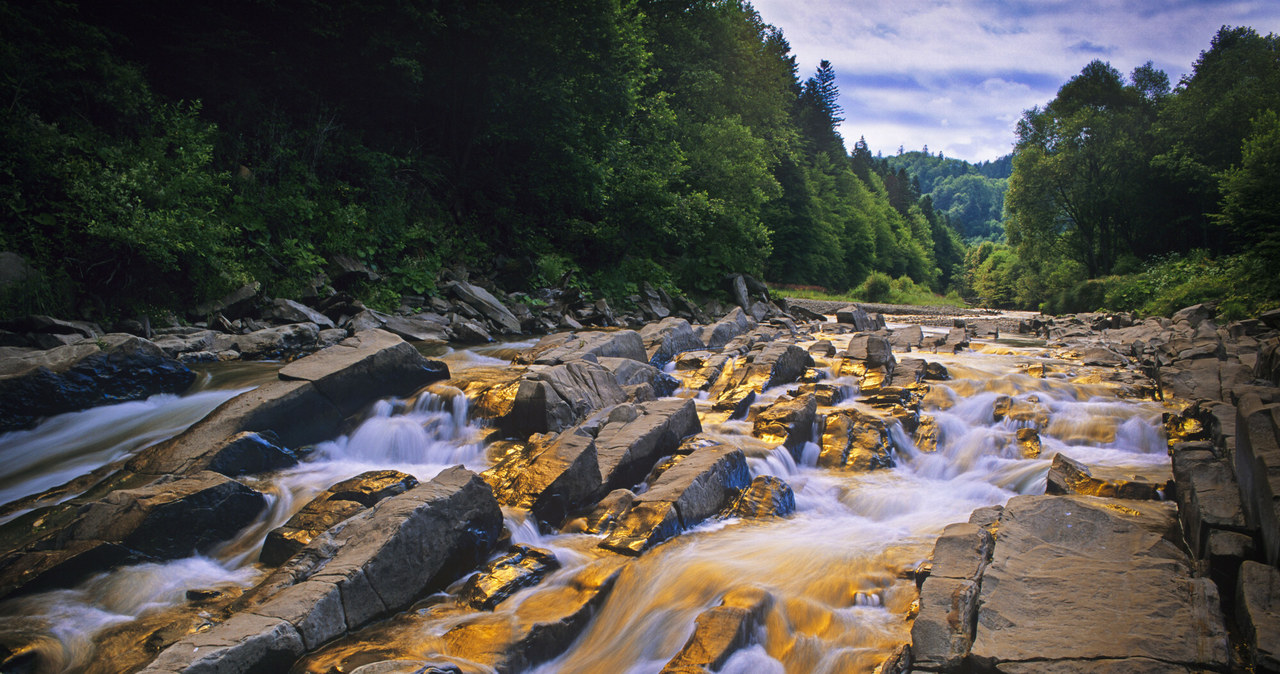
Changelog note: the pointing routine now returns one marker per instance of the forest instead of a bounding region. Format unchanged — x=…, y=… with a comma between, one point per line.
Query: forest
x=154, y=155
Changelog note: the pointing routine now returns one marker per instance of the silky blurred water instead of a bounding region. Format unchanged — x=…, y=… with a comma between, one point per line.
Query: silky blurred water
x=839, y=569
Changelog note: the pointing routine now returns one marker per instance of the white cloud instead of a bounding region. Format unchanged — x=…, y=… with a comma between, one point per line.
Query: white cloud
x=903, y=66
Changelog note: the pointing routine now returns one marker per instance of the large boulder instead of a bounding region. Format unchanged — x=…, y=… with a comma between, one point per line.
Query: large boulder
x=1258, y=614
x=698, y=486
x=1068, y=476
x=787, y=422
x=854, y=315
x=555, y=398
x=1064, y=565
x=943, y=631
x=277, y=342
x=734, y=323
x=288, y=311
x=567, y=346
x=373, y=565
x=631, y=373
x=854, y=440
x=615, y=448
x=339, y=502
x=307, y=402
x=777, y=363
x=115, y=368
x=167, y=519
x=664, y=340
x=488, y=305
x=873, y=350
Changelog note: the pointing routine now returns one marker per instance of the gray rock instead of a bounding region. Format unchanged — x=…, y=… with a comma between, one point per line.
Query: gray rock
x=632, y=373
x=697, y=487
x=419, y=328
x=788, y=423
x=1258, y=614
x=116, y=368
x=905, y=339
x=365, y=367
x=271, y=342
x=374, y=564
x=613, y=449
x=288, y=311
x=244, y=643
x=943, y=631
x=1063, y=565
x=555, y=398
x=663, y=341
x=1194, y=314
x=766, y=496
x=339, y=502
x=250, y=453
x=734, y=323
x=873, y=350
x=306, y=404
x=484, y=302
x=564, y=347
x=1208, y=494
x=855, y=316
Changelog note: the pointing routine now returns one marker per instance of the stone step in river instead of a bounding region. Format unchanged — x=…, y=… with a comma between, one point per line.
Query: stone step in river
x=799, y=497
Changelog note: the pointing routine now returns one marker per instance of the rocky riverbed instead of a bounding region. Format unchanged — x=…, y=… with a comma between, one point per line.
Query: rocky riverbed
x=773, y=490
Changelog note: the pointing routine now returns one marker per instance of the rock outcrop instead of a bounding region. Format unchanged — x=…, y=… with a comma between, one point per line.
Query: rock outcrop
x=109, y=369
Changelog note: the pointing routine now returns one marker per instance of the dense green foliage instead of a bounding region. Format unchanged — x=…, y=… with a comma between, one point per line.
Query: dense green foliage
x=1121, y=181
x=970, y=197
x=156, y=154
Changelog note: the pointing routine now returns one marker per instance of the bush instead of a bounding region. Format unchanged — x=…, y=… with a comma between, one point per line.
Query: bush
x=877, y=287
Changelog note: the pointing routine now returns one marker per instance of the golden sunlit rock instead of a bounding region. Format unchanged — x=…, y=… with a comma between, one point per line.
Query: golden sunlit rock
x=1067, y=476
x=926, y=434
x=854, y=440
x=1028, y=442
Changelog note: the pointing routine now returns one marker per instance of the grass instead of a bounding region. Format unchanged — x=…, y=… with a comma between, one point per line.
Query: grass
x=877, y=291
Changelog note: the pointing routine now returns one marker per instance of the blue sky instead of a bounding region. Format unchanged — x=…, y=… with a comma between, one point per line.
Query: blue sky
x=955, y=75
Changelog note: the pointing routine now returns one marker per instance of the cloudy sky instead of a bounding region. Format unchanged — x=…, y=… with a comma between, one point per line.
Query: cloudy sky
x=955, y=75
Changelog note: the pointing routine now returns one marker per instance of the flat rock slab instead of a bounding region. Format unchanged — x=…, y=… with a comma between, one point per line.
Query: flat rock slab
x=1077, y=578
x=374, y=564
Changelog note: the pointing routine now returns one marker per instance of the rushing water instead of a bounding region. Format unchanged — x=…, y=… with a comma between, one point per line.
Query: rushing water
x=839, y=569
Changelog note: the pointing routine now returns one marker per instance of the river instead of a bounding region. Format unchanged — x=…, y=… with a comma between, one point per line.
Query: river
x=840, y=569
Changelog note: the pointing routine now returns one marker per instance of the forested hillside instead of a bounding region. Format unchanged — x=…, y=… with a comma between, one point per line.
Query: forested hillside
x=971, y=196
x=1127, y=193
x=155, y=154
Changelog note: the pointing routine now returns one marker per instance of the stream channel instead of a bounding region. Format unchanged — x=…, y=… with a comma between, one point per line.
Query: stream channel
x=840, y=569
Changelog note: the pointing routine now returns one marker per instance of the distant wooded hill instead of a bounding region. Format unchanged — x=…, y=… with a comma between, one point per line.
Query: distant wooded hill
x=971, y=196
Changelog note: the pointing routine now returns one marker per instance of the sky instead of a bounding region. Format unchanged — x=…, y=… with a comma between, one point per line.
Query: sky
x=956, y=75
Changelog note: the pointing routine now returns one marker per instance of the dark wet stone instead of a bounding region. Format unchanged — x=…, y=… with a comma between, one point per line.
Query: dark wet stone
x=250, y=453
x=113, y=369
x=523, y=567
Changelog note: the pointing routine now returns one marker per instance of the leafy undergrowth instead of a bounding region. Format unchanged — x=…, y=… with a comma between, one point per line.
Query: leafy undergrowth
x=880, y=289
x=1241, y=285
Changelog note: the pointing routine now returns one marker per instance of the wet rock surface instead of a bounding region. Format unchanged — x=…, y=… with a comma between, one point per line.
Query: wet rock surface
x=93, y=371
